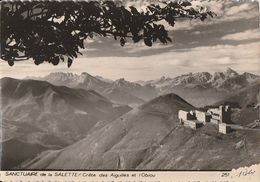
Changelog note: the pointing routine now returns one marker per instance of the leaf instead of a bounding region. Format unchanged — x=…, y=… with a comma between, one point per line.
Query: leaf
x=148, y=42
x=151, y=9
x=81, y=44
x=186, y=3
x=211, y=14
x=69, y=62
x=134, y=10
x=168, y=38
x=171, y=20
x=55, y=61
x=122, y=41
x=155, y=26
x=38, y=60
x=91, y=35
x=62, y=58
x=137, y=38
x=10, y=62
x=203, y=17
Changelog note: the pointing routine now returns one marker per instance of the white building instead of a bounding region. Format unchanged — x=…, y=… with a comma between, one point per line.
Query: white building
x=184, y=115
x=195, y=119
x=223, y=128
x=188, y=119
x=202, y=116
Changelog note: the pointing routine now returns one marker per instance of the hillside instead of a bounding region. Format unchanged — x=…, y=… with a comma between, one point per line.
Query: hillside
x=246, y=97
x=123, y=143
x=119, y=96
x=37, y=112
x=204, y=149
x=141, y=93
x=27, y=151
x=246, y=101
x=150, y=137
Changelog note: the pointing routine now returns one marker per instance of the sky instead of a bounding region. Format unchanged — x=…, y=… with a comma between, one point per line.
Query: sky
x=232, y=39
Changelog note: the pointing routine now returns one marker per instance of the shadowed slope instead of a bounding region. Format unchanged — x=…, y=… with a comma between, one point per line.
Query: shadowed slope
x=246, y=97
x=38, y=112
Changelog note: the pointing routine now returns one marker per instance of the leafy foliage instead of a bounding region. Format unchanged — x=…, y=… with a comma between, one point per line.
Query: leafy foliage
x=55, y=31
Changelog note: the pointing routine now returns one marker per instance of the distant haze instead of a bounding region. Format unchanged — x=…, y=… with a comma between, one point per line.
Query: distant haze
x=231, y=39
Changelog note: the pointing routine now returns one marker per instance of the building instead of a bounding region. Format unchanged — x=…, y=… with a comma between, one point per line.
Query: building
x=194, y=119
x=193, y=124
x=220, y=115
x=184, y=115
x=223, y=128
x=188, y=119
x=202, y=116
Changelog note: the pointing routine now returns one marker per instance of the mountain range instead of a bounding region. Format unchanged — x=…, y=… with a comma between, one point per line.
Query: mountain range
x=120, y=91
x=199, y=89
x=53, y=124
x=204, y=88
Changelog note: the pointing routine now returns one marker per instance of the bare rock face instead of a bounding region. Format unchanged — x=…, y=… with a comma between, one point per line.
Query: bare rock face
x=119, y=91
x=226, y=80
x=203, y=88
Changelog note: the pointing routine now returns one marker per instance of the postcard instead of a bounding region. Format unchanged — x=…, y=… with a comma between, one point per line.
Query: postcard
x=132, y=90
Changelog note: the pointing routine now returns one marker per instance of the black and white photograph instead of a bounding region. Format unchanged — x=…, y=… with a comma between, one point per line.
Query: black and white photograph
x=130, y=85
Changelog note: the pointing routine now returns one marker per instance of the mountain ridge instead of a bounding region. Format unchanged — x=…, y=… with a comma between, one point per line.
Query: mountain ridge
x=199, y=89
x=131, y=92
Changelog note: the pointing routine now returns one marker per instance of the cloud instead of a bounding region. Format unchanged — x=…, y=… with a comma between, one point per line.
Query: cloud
x=207, y=57
x=246, y=35
x=238, y=9
x=226, y=11
x=244, y=57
